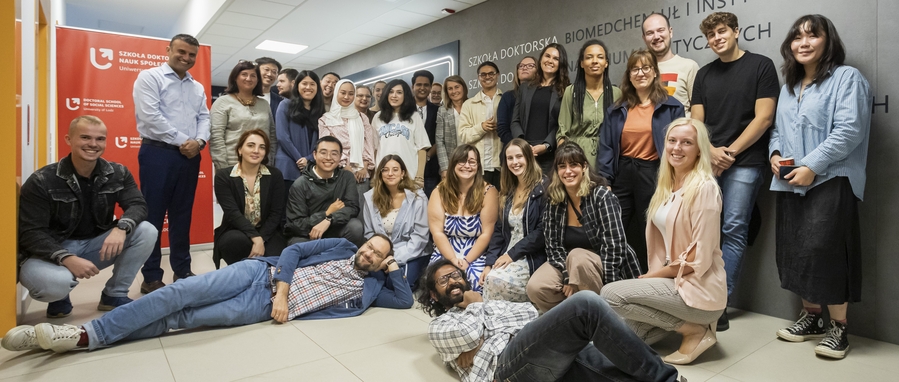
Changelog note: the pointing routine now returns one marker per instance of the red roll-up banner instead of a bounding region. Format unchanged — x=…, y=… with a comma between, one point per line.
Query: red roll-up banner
x=95, y=76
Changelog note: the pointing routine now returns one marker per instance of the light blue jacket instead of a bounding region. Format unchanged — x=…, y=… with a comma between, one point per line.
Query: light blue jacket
x=410, y=235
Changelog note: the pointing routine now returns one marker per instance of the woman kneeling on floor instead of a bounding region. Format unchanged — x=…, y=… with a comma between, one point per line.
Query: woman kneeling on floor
x=684, y=290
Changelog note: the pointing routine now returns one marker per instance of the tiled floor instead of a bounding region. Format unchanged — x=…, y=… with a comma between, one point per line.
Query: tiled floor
x=391, y=345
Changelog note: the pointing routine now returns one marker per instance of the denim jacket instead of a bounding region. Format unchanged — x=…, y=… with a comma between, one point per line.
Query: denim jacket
x=50, y=206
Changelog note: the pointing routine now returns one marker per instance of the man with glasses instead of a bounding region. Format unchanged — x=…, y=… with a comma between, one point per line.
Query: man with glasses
x=327, y=278
x=268, y=75
x=477, y=122
x=582, y=339
x=323, y=201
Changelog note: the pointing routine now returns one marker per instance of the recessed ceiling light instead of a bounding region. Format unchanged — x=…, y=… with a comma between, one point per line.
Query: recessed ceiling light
x=283, y=47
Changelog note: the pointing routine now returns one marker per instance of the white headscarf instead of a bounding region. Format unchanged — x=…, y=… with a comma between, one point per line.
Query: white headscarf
x=349, y=116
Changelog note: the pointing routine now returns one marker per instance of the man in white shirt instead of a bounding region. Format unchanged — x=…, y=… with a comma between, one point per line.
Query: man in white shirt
x=677, y=73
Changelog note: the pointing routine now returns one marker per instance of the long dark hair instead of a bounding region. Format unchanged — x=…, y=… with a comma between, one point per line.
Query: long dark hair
x=579, y=88
x=298, y=111
x=406, y=109
x=657, y=92
x=572, y=153
x=232, y=78
x=561, y=81
x=834, y=54
x=429, y=284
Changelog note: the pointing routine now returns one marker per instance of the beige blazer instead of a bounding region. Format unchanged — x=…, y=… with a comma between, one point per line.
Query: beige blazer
x=695, y=237
x=474, y=111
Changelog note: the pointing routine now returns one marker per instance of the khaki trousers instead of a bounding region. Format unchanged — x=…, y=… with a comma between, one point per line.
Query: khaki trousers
x=584, y=270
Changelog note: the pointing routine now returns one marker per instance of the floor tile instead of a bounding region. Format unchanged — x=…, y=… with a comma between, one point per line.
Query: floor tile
x=786, y=361
x=411, y=359
x=721, y=378
x=325, y=370
x=695, y=373
x=150, y=366
x=242, y=354
x=22, y=363
x=419, y=314
x=376, y=326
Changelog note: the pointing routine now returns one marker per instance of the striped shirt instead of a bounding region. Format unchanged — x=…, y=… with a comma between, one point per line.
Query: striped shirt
x=827, y=130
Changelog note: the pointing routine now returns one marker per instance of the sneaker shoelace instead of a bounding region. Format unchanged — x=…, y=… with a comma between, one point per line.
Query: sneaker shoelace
x=806, y=321
x=30, y=340
x=66, y=332
x=834, y=337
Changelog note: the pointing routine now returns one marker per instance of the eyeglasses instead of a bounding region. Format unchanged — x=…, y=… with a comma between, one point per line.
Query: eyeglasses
x=526, y=66
x=470, y=163
x=645, y=70
x=487, y=75
x=443, y=280
x=243, y=61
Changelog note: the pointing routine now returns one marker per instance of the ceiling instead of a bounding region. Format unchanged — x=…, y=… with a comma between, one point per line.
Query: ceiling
x=332, y=29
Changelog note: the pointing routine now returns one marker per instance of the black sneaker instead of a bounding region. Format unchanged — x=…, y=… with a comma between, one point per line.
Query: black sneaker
x=809, y=325
x=59, y=309
x=723, y=322
x=835, y=343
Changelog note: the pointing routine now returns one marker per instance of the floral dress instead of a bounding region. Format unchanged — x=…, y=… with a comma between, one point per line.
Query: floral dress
x=510, y=282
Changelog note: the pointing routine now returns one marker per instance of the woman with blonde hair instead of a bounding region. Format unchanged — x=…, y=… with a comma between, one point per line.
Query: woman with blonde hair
x=462, y=213
x=684, y=290
x=397, y=208
x=516, y=249
x=585, y=242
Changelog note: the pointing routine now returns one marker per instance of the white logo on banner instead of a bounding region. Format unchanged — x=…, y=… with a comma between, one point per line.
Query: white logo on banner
x=121, y=142
x=104, y=52
x=73, y=101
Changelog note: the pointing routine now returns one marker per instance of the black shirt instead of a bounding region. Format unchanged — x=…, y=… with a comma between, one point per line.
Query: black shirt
x=538, y=116
x=728, y=92
x=87, y=228
x=576, y=237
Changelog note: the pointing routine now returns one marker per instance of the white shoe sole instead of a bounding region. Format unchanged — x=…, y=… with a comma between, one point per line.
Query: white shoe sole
x=830, y=353
x=784, y=334
x=7, y=339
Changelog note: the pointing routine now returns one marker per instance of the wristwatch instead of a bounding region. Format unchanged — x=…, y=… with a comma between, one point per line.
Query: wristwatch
x=124, y=227
x=389, y=263
x=329, y=218
x=202, y=143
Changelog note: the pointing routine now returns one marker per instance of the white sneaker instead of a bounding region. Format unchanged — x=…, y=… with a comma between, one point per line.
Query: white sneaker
x=20, y=338
x=59, y=338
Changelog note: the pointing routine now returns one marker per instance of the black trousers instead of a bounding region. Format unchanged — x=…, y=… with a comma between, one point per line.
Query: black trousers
x=234, y=245
x=634, y=185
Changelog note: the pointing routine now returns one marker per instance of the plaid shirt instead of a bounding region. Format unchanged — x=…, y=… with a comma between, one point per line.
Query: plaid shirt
x=320, y=286
x=458, y=331
x=601, y=218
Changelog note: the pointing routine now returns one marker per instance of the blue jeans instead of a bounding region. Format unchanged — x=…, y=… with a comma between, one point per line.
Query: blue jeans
x=739, y=188
x=239, y=294
x=168, y=181
x=581, y=339
x=49, y=282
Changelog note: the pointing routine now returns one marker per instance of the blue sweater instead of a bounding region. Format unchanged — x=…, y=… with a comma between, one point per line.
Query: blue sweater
x=610, y=135
x=374, y=289
x=293, y=141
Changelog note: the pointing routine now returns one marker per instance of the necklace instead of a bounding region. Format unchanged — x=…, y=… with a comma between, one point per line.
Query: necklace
x=251, y=102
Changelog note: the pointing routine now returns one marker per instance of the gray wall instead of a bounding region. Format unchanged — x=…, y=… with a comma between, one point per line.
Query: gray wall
x=493, y=27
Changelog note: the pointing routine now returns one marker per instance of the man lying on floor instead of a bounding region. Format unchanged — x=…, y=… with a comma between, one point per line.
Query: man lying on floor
x=581, y=339
x=327, y=278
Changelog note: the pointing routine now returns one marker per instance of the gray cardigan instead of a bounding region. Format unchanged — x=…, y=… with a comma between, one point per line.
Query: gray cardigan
x=446, y=135
x=410, y=235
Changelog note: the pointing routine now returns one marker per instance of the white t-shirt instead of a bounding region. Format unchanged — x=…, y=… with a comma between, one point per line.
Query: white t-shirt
x=403, y=138
x=677, y=77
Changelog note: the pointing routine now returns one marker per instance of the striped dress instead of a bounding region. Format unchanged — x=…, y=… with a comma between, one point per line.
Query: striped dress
x=462, y=232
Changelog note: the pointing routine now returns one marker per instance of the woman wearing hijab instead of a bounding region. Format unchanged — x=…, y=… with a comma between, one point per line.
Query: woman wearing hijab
x=353, y=130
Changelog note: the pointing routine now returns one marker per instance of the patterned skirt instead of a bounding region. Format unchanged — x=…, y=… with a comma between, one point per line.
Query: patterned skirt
x=508, y=283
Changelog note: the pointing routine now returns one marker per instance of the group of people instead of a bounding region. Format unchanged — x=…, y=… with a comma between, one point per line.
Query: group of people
x=526, y=204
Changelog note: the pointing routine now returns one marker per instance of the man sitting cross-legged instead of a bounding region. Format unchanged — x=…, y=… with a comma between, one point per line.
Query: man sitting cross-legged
x=501, y=340
x=326, y=278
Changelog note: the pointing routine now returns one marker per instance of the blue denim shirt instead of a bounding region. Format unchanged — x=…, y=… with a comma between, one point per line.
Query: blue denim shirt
x=168, y=108
x=827, y=131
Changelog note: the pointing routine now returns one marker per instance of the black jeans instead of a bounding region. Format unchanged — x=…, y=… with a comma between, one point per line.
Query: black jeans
x=581, y=339
x=634, y=185
x=234, y=245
